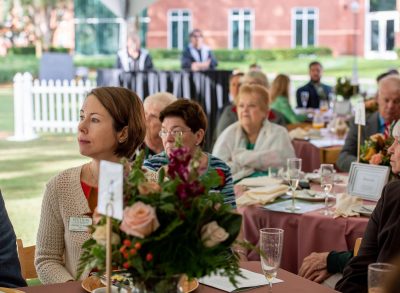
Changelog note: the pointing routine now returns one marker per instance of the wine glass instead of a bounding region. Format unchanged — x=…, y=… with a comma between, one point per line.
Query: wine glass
x=327, y=172
x=293, y=176
x=271, y=244
x=304, y=96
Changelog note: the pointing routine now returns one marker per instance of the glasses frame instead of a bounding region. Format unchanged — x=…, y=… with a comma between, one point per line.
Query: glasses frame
x=174, y=133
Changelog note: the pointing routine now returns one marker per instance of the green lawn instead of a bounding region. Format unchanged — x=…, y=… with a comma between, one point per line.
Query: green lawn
x=25, y=167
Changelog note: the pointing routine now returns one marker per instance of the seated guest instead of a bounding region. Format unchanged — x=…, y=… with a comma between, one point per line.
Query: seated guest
x=388, y=110
x=280, y=99
x=153, y=105
x=253, y=144
x=133, y=57
x=381, y=240
x=229, y=115
x=317, y=91
x=197, y=56
x=186, y=120
x=112, y=126
x=10, y=270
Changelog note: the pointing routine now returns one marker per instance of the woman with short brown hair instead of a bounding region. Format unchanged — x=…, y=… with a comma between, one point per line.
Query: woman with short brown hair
x=112, y=126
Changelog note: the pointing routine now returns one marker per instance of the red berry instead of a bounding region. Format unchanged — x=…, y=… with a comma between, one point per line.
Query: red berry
x=127, y=243
x=138, y=245
x=122, y=249
x=149, y=257
x=126, y=265
x=132, y=251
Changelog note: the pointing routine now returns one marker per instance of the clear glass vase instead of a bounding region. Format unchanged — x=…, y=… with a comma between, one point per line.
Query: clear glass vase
x=158, y=285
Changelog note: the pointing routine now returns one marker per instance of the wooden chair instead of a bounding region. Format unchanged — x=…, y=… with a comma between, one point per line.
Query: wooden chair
x=26, y=257
x=357, y=246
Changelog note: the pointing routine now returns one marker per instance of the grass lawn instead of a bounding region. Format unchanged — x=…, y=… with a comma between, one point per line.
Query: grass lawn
x=25, y=167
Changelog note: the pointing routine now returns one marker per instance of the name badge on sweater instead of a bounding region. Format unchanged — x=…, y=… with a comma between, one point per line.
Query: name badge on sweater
x=79, y=224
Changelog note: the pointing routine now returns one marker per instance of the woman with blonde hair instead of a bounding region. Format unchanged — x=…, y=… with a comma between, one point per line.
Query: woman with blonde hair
x=280, y=99
x=253, y=144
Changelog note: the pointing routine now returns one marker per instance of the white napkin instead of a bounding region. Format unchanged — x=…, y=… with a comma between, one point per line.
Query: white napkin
x=250, y=280
x=345, y=204
x=259, y=181
x=261, y=195
x=298, y=133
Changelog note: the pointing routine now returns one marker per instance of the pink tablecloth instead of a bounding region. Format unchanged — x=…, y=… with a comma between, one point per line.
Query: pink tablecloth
x=309, y=153
x=306, y=233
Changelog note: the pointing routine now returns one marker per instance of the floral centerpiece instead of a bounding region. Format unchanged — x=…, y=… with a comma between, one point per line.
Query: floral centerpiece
x=374, y=150
x=171, y=227
x=344, y=88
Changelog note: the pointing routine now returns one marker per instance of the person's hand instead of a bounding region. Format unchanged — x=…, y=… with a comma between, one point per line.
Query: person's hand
x=314, y=267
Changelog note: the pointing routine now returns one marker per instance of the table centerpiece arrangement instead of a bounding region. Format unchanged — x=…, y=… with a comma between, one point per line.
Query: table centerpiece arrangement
x=171, y=227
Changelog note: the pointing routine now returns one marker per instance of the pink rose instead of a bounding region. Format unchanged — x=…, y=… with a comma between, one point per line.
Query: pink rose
x=376, y=159
x=147, y=188
x=139, y=220
x=212, y=234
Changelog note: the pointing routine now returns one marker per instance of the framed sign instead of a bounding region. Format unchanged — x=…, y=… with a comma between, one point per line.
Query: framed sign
x=367, y=181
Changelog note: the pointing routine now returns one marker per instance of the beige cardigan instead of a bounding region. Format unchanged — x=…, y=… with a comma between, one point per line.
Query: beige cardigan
x=57, y=248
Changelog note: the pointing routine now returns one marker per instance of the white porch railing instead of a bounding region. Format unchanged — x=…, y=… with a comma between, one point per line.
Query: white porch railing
x=46, y=106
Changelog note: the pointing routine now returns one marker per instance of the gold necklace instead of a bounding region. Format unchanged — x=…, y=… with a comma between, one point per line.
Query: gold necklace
x=95, y=180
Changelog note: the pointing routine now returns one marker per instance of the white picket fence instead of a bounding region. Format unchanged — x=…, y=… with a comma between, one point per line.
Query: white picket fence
x=46, y=106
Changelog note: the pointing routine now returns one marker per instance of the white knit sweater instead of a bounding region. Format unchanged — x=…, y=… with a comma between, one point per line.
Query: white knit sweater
x=57, y=249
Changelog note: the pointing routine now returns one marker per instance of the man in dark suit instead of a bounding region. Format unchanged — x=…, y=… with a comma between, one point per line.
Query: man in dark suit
x=10, y=270
x=198, y=56
x=388, y=100
x=316, y=90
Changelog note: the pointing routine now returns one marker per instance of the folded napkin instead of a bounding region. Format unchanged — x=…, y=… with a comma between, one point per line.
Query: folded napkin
x=298, y=133
x=261, y=195
x=259, y=181
x=345, y=204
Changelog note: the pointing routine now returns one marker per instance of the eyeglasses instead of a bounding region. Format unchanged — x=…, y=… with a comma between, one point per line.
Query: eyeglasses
x=197, y=36
x=174, y=133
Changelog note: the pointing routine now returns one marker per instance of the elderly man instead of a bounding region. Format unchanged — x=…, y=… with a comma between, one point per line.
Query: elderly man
x=153, y=105
x=134, y=58
x=10, y=270
x=388, y=110
x=316, y=90
x=198, y=56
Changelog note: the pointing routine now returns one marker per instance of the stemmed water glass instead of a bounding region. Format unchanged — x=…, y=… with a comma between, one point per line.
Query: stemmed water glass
x=271, y=244
x=293, y=176
x=327, y=173
x=304, y=96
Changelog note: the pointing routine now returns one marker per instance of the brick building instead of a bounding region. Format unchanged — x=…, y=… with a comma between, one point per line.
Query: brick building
x=371, y=27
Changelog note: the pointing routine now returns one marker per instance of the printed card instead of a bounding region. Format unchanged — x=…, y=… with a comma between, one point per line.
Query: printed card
x=110, y=202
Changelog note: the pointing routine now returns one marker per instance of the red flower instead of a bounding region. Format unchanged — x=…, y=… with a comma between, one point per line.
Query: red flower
x=126, y=265
x=222, y=175
x=149, y=257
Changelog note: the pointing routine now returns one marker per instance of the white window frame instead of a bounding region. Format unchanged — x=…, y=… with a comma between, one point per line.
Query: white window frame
x=180, y=19
x=304, y=17
x=241, y=18
x=381, y=17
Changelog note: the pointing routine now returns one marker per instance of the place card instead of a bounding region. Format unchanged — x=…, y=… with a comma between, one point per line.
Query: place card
x=367, y=181
x=250, y=280
x=359, y=113
x=110, y=201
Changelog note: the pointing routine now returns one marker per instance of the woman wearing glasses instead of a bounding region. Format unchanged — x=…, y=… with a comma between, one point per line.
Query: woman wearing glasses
x=186, y=120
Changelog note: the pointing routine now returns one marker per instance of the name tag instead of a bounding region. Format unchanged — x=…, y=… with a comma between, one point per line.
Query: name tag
x=79, y=224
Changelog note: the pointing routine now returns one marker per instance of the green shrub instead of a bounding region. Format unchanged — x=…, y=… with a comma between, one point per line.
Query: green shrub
x=13, y=64
x=165, y=53
x=59, y=50
x=30, y=50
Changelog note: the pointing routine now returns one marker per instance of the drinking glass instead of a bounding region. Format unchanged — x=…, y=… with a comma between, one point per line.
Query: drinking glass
x=271, y=243
x=304, y=96
x=293, y=176
x=327, y=172
x=323, y=106
x=377, y=274
x=318, y=121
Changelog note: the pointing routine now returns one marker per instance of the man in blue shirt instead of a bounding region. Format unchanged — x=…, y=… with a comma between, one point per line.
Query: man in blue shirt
x=10, y=270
